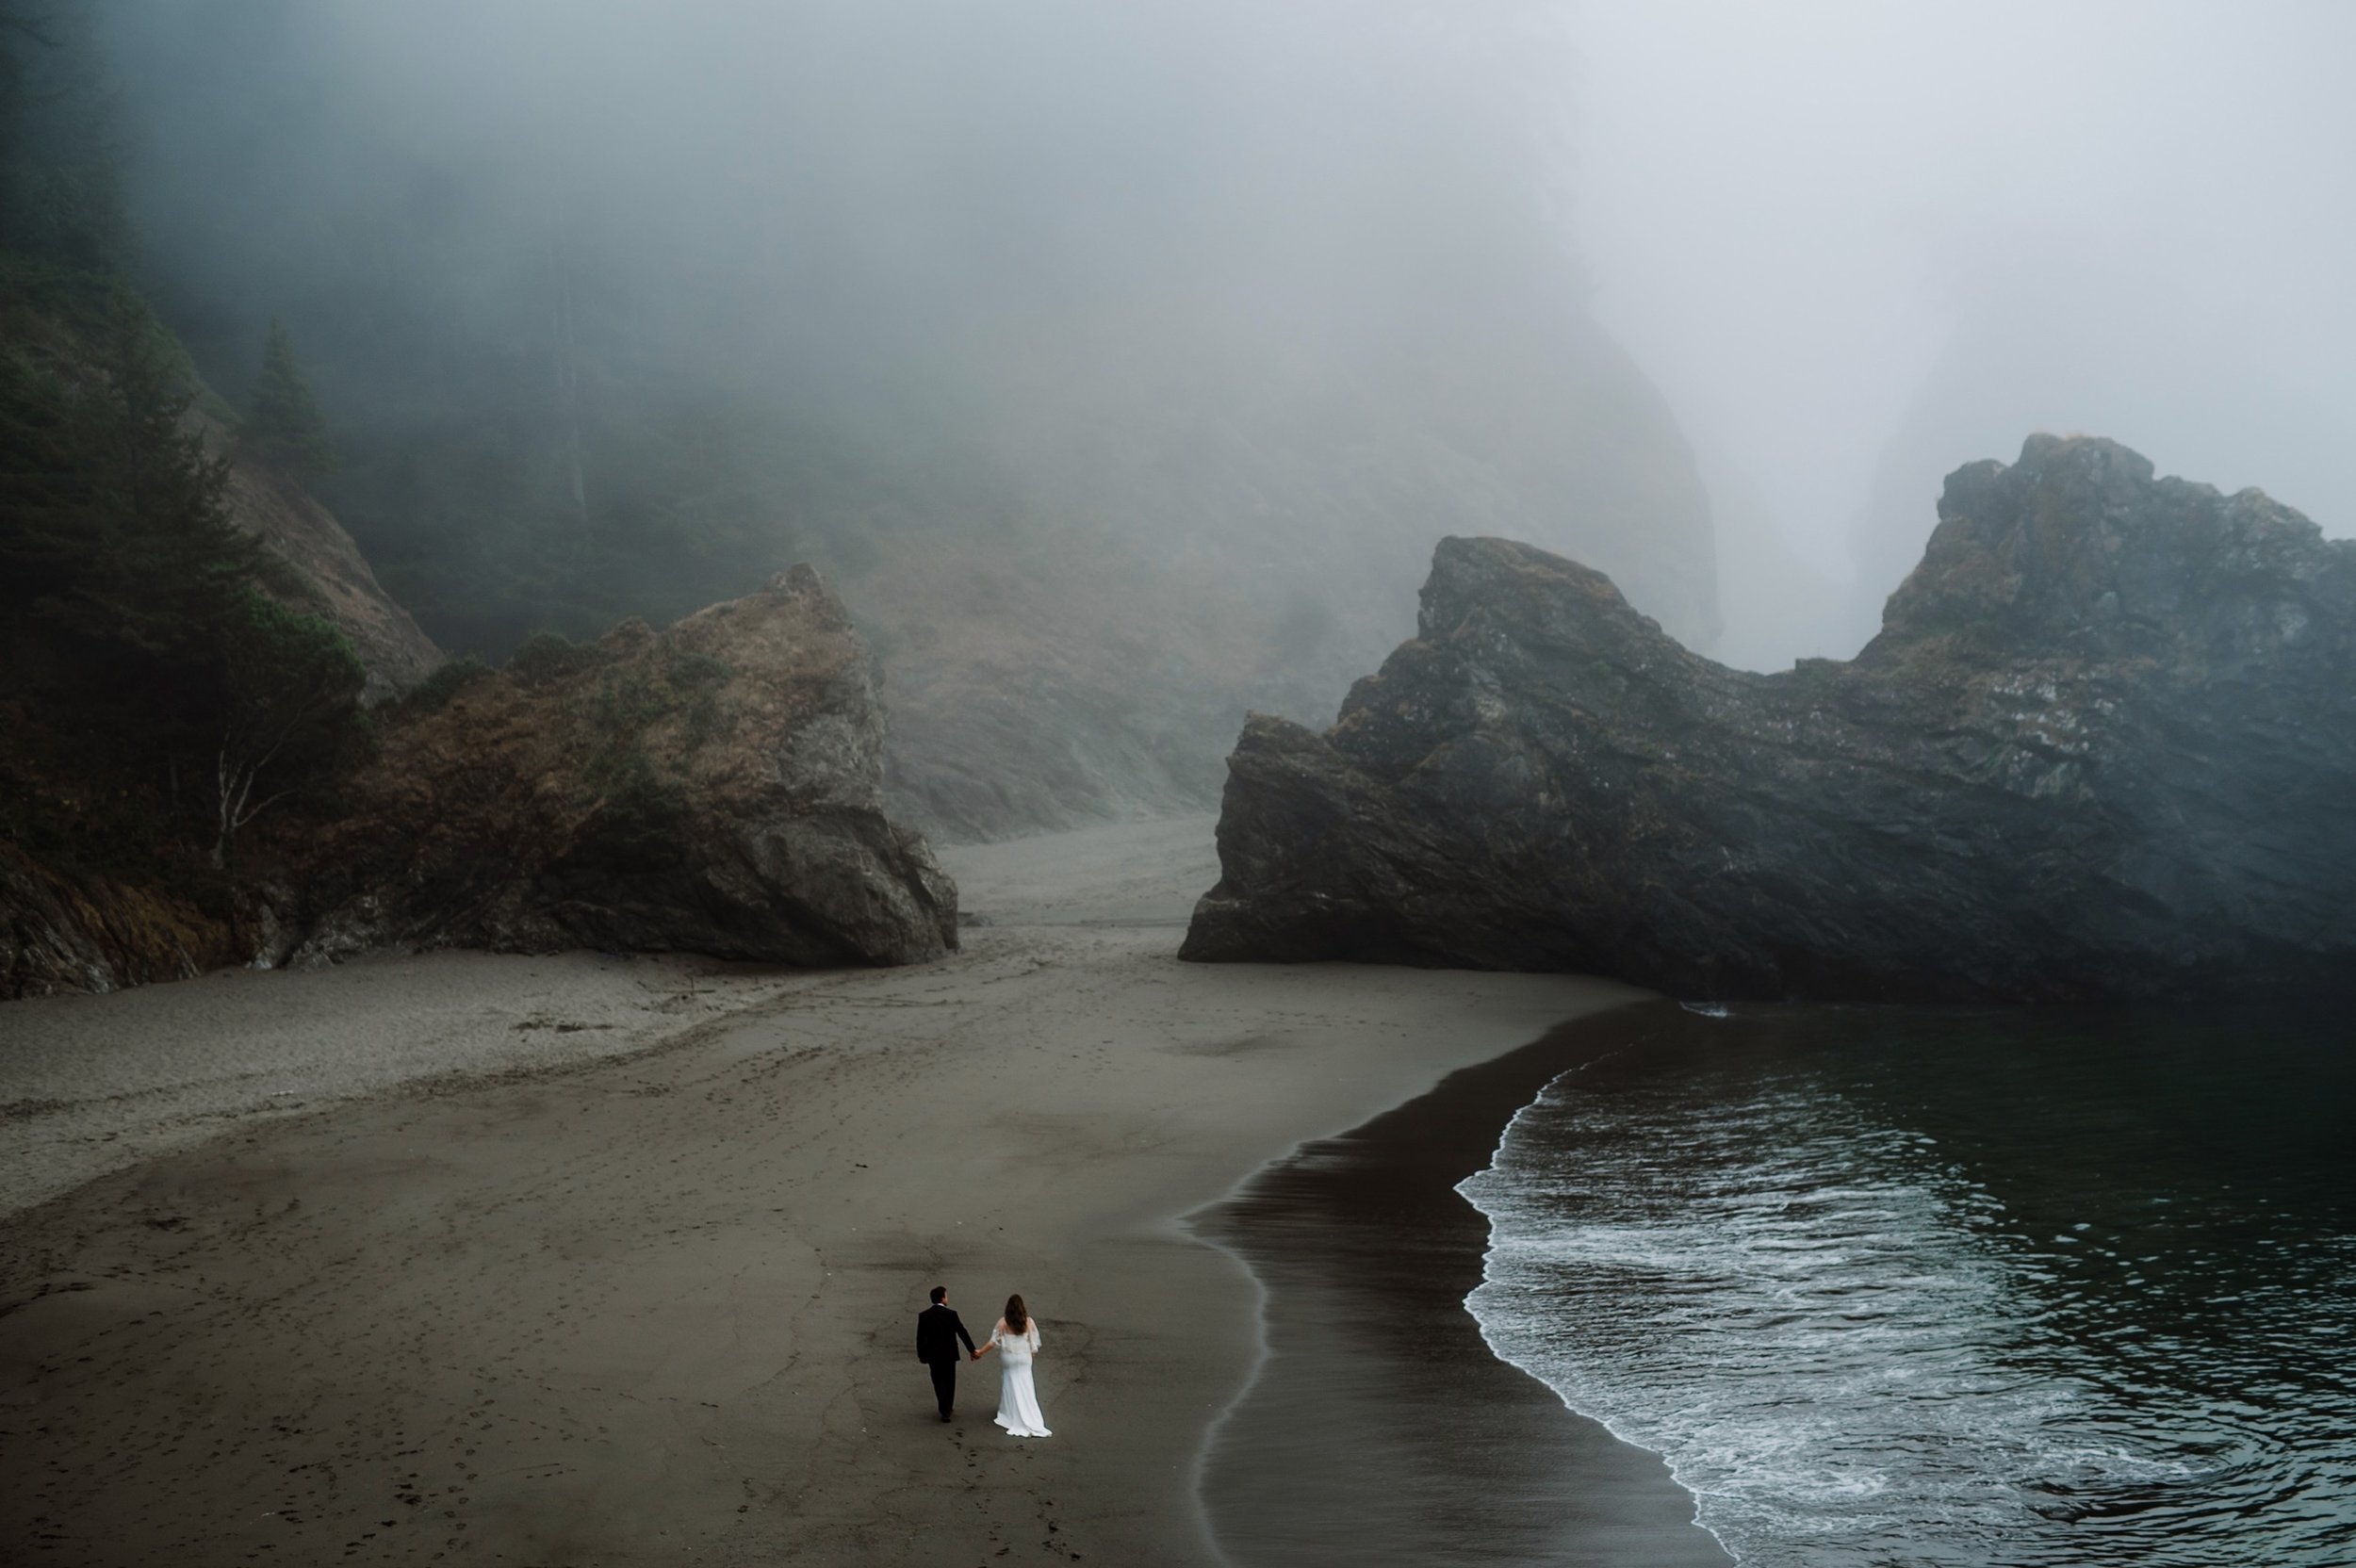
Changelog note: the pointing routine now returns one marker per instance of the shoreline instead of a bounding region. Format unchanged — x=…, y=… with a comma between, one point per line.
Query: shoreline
x=1366, y=1255
x=651, y=1308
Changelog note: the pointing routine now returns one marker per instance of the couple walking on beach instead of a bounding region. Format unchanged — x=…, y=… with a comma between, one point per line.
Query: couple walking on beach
x=1016, y=1339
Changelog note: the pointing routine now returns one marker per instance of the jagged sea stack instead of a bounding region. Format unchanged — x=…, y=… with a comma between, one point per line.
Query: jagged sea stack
x=2105, y=746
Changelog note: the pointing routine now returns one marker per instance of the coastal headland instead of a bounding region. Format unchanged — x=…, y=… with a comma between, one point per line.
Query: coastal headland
x=652, y=1305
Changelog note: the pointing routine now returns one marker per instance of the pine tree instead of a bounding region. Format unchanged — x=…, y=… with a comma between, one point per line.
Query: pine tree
x=113, y=526
x=283, y=424
x=292, y=691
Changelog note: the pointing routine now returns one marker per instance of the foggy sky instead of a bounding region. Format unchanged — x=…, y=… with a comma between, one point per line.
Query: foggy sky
x=1860, y=244
x=897, y=159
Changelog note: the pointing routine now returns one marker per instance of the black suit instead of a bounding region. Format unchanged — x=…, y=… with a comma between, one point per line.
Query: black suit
x=938, y=1330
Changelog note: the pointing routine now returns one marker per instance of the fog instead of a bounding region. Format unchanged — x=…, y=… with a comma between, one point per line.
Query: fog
x=1164, y=265
x=1860, y=244
x=1302, y=287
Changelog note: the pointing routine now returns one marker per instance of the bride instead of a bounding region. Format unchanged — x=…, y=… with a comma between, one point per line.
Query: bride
x=1016, y=1338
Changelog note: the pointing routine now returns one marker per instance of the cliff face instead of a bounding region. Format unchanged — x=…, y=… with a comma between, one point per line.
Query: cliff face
x=98, y=933
x=2100, y=749
x=1049, y=689
x=712, y=788
x=336, y=580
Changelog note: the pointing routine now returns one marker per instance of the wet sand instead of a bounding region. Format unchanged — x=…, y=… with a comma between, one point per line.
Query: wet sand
x=657, y=1308
x=1446, y=1455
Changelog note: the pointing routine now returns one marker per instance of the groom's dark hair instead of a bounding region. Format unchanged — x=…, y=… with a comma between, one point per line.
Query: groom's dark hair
x=940, y=1294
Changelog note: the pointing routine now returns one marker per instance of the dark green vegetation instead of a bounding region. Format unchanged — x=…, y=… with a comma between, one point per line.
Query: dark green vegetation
x=623, y=706
x=283, y=423
x=433, y=694
x=158, y=690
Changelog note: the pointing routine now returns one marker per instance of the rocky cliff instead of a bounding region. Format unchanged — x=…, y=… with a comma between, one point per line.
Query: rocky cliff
x=92, y=932
x=2104, y=747
x=331, y=578
x=88, y=898
x=712, y=788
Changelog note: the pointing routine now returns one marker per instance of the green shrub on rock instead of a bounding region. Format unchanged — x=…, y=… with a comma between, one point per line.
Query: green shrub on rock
x=436, y=690
x=547, y=655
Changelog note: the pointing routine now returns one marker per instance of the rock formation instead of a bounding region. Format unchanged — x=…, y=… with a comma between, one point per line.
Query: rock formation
x=98, y=933
x=2104, y=747
x=712, y=788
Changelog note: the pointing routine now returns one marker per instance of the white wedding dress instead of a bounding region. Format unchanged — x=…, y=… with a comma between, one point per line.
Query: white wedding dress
x=1018, y=1401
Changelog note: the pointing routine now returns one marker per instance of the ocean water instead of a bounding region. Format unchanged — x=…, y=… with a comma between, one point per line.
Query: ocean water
x=1900, y=1287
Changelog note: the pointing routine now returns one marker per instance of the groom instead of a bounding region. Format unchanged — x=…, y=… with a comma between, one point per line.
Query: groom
x=938, y=1330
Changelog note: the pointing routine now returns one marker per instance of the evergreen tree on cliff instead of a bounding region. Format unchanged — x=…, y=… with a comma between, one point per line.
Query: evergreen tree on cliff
x=113, y=526
x=283, y=425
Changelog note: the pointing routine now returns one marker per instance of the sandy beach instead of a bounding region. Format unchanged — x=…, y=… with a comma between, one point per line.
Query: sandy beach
x=644, y=1293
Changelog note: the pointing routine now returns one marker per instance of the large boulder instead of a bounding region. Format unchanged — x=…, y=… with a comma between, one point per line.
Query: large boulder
x=2104, y=747
x=713, y=788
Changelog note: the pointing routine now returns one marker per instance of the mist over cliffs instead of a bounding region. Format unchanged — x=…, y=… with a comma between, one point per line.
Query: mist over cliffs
x=1855, y=244
x=1114, y=367
x=1119, y=365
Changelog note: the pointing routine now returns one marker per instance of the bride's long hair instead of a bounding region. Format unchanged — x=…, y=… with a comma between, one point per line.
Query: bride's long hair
x=1016, y=1319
